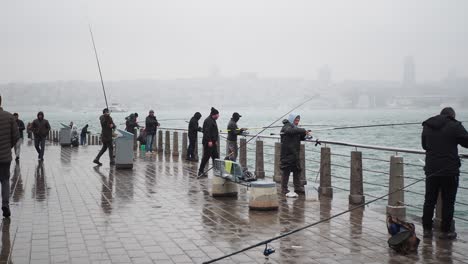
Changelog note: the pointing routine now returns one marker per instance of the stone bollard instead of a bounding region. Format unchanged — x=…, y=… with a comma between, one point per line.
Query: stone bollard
x=243, y=153
x=302, y=174
x=396, y=199
x=184, y=145
x=50, y=135
x=325, y=188
x=263, y=196
x=154, y=147
x=167, y=143
x=160, y=141
x=259, y=163
x=218, y=146
x=175, y=146
x=356, y=195
x=223, y=188
x=89, y=139
x=277, y=170
x=135, y=137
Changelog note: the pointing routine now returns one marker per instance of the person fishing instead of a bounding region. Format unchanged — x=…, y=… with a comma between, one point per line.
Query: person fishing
x=232, y=148
x=440, y=138
x=152, y=125
x=84, y=133
x=210, y=141
x=131, y=123
x=107, y=125
x=193, y=129
x=291, y=137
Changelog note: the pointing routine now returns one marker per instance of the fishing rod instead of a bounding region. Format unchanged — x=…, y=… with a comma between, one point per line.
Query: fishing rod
x=99, y=66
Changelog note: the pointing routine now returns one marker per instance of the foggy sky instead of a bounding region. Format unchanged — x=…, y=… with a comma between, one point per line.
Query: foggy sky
x=49, y=40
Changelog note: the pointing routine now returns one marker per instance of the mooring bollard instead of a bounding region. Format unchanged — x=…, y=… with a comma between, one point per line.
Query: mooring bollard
x=356, y=195
x=277, y=170
x=175, y=146
x=263, y=196
x=218, y=146
x=259, y=163
x=396, y=199
x=167, y=143
x=243, y=153
x=89, y=139
x=302, y=174
x=135, y=137
x=160, y=141
x=184, y=145
x=325, y=188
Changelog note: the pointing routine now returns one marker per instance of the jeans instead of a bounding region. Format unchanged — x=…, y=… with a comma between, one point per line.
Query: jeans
x=106, y=145
x=82, y=139
x=5, y=181
x=207, y=154
x=18, y=147
x=149, y=142
x=285, y=171
x=39, y=144
x=448, y=186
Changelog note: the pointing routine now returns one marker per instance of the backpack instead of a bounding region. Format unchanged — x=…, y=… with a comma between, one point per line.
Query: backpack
x=403, y=239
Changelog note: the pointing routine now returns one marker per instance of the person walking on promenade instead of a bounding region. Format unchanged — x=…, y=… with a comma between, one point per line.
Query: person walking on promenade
x=210, y=140
x=193, y=129
x=84, y=134
x=151, y=124
x=21, y=129
x=440, y=138
x=291, y=137
x=233, y=131
x=107, y=125
x=41, y=129
x=9, y=135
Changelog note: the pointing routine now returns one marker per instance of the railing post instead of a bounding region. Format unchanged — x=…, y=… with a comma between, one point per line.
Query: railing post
x=259, y=164
x=396, y=198
x=167, y=143
x=243, y=153
x=277, y=170
x=160, y=141
x=175, y=146
x=135, y=137
x=89, y=139
x=325, y=188
x=184, y=145
x=218, y=146
x=91, y=142
x=356, y=195
x=99, y=140
x=302, y=174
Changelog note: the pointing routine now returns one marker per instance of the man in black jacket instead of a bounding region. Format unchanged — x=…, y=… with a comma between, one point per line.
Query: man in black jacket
x=41, y=128
x=233, y=132
x=193, y=130
x=108, y=126
x=84, y=134
x=291, y=137
x=8, y=138
x=151, y=126
x=210, y=140
x=440, y=138
x=21, y=128
x=131, y=123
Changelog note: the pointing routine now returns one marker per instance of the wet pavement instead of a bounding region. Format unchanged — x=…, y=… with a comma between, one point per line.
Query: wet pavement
x=69, y=211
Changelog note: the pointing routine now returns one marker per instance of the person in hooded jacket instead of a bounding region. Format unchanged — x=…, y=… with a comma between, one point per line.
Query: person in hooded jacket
x=233, y=131
x=193, y=130
x=291, y=137
x=84, y=133
x=152, y=125
x=440, y=138
x=107, y=125
x=40, y=128
x=131, y=123
x=210, y=141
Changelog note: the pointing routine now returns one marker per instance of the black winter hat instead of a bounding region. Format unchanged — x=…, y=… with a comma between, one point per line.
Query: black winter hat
x=214, y=111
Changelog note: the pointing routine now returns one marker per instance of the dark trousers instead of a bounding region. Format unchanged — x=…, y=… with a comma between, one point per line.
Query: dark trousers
x=207, y=154
x=82, y=139
x=191, y=148
x=448, y=186
x=39, y=144
x=5, y=181
x=285, y=171
x=106, y=145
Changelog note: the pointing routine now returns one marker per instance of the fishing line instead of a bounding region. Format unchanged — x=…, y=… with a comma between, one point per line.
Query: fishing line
x=99, y=66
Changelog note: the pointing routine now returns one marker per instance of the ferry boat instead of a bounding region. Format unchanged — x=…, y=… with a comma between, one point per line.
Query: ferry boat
x=117, y=108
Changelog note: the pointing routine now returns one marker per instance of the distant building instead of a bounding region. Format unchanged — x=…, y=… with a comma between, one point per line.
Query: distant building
x=409, y=79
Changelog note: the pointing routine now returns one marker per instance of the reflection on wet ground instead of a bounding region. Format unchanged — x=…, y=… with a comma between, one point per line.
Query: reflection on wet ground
x=66, y=210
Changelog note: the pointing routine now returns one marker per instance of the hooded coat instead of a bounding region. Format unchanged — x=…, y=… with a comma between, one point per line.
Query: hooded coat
x=291, y=137
x=40, y=127
x=131, y=123
x=106, y=133
x=233, y=129
x=193, y=127
x=151, y=125
x=8, y=135
x=440, y=138
x=210, y=131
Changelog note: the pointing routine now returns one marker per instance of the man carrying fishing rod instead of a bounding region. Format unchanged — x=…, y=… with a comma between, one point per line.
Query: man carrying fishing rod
x=210, y=141
x=291, y=137
x=107, y=125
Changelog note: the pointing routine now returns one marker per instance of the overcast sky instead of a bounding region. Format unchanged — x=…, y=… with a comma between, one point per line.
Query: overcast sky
x=49, y=40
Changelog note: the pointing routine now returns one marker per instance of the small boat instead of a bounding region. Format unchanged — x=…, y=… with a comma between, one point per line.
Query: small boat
x=117, y=108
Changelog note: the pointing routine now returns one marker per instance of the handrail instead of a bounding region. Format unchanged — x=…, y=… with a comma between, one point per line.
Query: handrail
x=341, y=143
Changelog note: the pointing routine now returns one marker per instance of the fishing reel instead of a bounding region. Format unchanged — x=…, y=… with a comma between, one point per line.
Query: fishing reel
x=268, y=250
x=310, y=138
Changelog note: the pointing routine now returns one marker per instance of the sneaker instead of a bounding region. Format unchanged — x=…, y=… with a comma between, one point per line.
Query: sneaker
x=442, y=235
x=291, y=195
x=97, y=162
x=6, y=211
x=427, y=233
x=17, y=159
